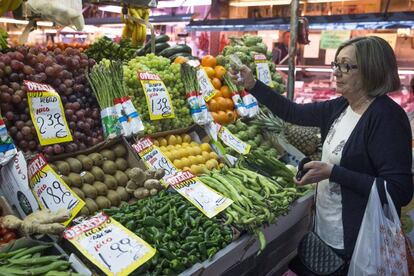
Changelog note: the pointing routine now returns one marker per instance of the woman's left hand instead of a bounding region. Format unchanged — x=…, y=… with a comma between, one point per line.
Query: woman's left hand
x=318, y=171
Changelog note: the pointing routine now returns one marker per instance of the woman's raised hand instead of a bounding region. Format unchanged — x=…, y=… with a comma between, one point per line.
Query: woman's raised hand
x=246, y=78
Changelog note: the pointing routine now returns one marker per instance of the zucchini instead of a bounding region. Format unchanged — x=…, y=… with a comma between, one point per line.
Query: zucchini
x=174, y=50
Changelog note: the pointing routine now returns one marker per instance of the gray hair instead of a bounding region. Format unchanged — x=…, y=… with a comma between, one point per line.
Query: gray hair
x=377, y=63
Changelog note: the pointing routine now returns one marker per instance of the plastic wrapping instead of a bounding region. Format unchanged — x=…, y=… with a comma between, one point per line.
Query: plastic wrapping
x=110, y=123
x=250, y=104
x=65, y=13
x=7, y=148
x=122, y=118
x=134, y=120
x=239, y=105
x=198, y=109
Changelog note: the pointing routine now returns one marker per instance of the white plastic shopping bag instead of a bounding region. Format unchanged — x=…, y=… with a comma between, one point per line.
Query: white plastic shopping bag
x=380, y=247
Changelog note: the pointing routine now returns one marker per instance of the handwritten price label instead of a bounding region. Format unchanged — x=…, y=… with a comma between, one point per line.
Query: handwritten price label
x=232, y=141
x=154, y=158
x=109, y=245
x=206, y=87
x=157, y=96
x=50, y=190
x=263, y=70
x=207, y=200
x=46, y=111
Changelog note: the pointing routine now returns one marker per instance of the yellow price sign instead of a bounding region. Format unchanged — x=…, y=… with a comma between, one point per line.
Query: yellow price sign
x=50, y=190
x=207, y=200
x=158, y=99
x=110, y=246
x=46, y=111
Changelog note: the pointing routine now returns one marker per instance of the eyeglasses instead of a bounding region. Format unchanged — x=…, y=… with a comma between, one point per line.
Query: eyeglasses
x=342, y=67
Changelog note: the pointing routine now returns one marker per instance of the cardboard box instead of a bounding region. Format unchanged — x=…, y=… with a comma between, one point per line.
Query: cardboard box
x=15, y=186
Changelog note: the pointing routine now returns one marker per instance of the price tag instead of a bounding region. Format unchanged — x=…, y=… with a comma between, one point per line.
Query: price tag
x=50, y=190
x=110, y=246
x=154, y=158
x=158, y=98
x=232, y=141
x=262, y=70
x=207, y=200
x=46, y=111
x=206, y=87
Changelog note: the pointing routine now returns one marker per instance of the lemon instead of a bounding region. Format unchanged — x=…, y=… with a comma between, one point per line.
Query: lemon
x=162, y=142
x=185, y=145
x=195, y=169
x=202, y=169
x=174, y=154
x=193, y=143
x=187, y=151
x=186, y=138
x=186, y=169
x=156, y=143
x=193, y=160
x=170, y=147
x=168, y=155
x=211, y=164
x=178, y=164
x=193, y=151
x=183, y=152
x=178, y=146
x=205, y=147
x=206, y=156
x=186, y=162
x=179, y=139
x=172, y=140
x=200, y=159
x=213, y=155
x=163, y=148
x=197, y=151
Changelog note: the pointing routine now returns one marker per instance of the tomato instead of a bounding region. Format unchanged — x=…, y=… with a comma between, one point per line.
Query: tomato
x=3, y=231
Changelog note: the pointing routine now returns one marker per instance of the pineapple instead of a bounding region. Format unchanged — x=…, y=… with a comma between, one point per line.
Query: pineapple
x=305, y=139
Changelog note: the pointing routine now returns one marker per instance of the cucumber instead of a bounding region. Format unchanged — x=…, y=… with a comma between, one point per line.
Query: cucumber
x=160, y=46
x=162, y=38
x=140, y=52
x=174, y=50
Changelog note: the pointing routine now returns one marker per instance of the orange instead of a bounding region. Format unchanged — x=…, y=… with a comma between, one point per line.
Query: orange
x=208, y=61
x=213, y=105
x=218, y=94
x=225, y=91
x=180, y=60
x=210, y=72
x=222, y=117
x=221, y=103
x=215, y=116
x=216, y=83
x=230, y=116
x=229, y=103
x=220, y=71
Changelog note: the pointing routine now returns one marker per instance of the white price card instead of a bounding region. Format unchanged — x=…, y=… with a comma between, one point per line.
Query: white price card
x=50, y=190
x=207, y=200
x=109, y=245
x=232, y=141
x=206, y=87
x=158, y=99
x=154, y=158
x=262, y=70
x=46, y=111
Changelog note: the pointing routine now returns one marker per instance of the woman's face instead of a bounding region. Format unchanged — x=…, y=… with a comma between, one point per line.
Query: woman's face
x=348, y=78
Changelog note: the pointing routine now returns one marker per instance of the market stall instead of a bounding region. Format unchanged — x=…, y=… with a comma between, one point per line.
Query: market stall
x=137, y=156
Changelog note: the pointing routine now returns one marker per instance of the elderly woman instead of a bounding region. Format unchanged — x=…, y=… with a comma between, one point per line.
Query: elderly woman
x=366, y=137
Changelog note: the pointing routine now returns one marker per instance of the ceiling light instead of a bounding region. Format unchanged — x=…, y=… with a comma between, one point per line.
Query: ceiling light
x=163, y=4
x=25, y=22
x=247, y=3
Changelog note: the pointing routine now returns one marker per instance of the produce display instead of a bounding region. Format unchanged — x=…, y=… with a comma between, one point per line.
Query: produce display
x=246, y=48
x=3, y=39
x=171, y=76
x=34, y=261
x=103, y=98
x=221, y=106
x=187, y=154
x=99, y=178
x=65, y=71
x=181, y=234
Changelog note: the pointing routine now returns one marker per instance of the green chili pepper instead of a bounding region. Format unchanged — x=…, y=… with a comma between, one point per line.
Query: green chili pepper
x=152, y=221
x=166, y=253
